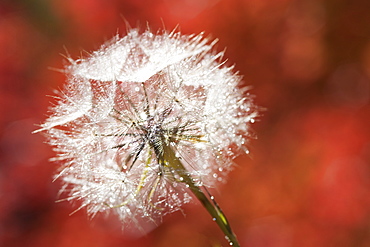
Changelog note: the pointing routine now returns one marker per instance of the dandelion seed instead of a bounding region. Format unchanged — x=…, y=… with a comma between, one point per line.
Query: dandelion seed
x=145, y=122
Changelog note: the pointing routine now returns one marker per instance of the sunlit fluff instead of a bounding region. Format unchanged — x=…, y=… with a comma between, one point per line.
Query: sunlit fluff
x=125, y=100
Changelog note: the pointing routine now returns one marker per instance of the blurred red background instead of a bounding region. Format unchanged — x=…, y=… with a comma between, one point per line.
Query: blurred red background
x=307, y=180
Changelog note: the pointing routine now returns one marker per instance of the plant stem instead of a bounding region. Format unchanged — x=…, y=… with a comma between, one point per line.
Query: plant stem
x=169, y=158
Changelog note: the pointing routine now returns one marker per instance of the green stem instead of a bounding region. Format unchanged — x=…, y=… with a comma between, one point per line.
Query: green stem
x=169, y=157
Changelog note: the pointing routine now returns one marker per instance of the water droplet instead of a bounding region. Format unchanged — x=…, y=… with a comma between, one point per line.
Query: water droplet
x=181, y=179
x=214, y=219
x=252, y=120
x=215, y=175
x=143, y=115
x=220, y=169
x=187, y=186
x=137, y=89
x=212, y=197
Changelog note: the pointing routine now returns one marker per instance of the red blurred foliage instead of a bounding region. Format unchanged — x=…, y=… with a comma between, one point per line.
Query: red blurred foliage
x=307, y=180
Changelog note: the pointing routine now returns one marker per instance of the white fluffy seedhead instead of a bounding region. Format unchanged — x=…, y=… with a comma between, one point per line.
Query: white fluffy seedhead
x=124, y=102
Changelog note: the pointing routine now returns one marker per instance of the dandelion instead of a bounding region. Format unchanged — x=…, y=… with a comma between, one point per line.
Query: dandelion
x=148, y=122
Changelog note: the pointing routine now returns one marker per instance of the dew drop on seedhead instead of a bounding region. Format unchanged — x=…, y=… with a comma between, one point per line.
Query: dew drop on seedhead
x=220, y=169
x=187, y=186
x=212, y=197
x=137, y=89
x=181, y=179
x=143, y=115
x=252, y=120
x=215, y=175
x=214, y=219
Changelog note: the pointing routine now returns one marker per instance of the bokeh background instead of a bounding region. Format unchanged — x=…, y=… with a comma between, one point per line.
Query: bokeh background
x=307, y=180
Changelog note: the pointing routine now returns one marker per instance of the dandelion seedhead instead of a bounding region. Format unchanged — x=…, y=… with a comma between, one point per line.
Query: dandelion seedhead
x=146, y=120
